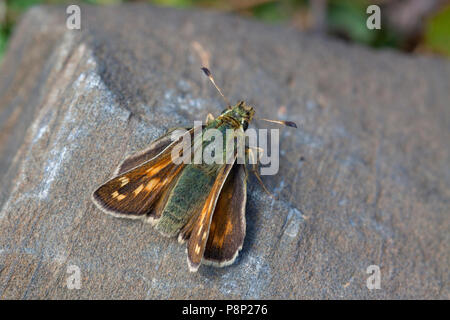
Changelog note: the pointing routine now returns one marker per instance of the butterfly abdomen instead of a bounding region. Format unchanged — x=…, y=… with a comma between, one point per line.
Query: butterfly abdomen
x=185, y=200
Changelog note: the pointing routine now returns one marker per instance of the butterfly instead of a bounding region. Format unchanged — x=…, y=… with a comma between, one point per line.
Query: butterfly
x=203, y=204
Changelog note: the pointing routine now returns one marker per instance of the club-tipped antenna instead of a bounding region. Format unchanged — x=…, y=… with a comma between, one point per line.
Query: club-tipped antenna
x=286, y=123
x=210, y=77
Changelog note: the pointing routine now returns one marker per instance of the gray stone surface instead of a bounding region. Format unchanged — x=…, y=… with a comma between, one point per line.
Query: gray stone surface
x=364, y=180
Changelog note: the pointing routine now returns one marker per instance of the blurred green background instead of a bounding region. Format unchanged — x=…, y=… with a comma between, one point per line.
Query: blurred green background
x=417, y=26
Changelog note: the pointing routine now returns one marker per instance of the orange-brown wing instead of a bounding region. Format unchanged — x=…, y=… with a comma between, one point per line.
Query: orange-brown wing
x=227, y=230
x=200, y=228
x=134, y=193
x=155, y=148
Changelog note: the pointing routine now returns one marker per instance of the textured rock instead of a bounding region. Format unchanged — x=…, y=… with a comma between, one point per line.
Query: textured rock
x=364, y=180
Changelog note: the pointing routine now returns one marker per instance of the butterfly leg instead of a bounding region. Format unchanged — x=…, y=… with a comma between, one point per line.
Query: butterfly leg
x=251, y=158
x=209, y=118
x=259, y=150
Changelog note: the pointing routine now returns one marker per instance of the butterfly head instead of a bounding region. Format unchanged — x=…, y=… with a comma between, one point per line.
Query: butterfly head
x=241, y=112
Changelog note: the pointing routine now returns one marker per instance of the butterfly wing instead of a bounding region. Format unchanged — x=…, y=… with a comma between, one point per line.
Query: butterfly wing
x=227, y=230
x=198, y=232
x=155, y=148
x=141, y=181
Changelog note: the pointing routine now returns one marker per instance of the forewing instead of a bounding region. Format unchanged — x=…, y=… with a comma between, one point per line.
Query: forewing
x=133, y=193
x=155, y=148
x=200, y=228
x=227, y=230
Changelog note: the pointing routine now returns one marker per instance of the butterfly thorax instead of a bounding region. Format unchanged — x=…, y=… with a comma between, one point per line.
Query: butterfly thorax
x=237, y=116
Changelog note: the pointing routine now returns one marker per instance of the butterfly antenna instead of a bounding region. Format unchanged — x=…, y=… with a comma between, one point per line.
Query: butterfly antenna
x=210, y=77
x=286, y=123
